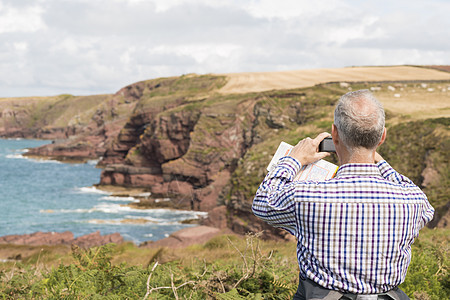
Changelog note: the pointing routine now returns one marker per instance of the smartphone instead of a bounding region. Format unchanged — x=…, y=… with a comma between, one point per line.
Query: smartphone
x=327, y=145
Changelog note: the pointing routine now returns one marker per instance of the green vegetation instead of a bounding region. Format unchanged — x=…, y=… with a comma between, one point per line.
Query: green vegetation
x=420, y=150
x=226, y=267
x=175, y=91
x=65, y=110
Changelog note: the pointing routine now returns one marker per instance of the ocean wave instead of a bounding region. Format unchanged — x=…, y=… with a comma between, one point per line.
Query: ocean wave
x=153, y=220
x=160, y=215
x=67, y=211
x=16, y=156
x=44, y=161
x=19, y=155
x=14, y=139
x=116, y=198
x=91, y=190
x=93, y=162
x=127, y=221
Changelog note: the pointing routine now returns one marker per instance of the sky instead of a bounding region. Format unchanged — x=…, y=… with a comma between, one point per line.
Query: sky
x=86, y=47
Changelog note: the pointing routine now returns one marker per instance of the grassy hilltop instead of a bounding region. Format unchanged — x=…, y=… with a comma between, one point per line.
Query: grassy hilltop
x=229, y=127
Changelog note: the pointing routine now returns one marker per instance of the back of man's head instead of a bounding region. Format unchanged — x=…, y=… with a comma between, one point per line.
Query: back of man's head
x=359, y=118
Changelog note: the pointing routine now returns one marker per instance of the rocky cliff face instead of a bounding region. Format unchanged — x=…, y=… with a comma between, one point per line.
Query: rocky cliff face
x=179, y=147
x=207, y=153
x=193, y=148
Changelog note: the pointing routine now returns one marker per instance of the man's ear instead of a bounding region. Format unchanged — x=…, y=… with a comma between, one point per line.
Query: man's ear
x=334, y=134
x=383, y=137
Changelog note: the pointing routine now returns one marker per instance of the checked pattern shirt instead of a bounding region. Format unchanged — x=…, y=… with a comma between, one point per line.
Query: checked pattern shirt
x=354, y=231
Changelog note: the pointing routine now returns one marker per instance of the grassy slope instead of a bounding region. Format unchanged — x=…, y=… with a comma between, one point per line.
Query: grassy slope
x=51, y=112
x=222, y=268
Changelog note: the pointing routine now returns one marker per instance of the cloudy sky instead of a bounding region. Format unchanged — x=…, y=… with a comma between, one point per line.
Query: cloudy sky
x=82, y=47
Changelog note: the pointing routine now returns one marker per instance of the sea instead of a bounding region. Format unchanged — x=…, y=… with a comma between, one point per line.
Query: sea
x=51, y=196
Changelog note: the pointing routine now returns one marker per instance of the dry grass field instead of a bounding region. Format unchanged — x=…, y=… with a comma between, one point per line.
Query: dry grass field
x=417, y=101
x=263, y=81
x=417, y=98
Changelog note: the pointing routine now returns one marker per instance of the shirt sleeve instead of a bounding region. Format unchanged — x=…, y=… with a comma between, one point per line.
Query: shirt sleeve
x=274, y=201
x=390, y=174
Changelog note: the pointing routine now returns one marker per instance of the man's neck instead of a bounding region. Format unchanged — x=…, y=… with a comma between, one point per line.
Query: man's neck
x=358, y=156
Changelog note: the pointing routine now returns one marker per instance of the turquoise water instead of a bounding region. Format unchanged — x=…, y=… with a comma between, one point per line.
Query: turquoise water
x=45, y=195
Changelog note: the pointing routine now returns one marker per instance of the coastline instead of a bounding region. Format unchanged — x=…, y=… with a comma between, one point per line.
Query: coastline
x=114, y=207
x=180, y=238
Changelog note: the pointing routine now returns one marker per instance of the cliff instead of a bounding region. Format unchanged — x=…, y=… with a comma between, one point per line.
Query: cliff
x=81, y=127
x=196, y=148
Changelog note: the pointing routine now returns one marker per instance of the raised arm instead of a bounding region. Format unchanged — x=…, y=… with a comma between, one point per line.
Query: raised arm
x=275, y=199
x=390, y=174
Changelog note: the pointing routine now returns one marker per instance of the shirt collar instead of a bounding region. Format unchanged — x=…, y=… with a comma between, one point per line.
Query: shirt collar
x=354, y=169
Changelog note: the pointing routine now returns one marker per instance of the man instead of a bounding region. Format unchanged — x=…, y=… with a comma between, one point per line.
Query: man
x=354, y=231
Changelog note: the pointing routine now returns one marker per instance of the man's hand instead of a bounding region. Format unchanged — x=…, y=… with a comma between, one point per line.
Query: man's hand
x=306, y=151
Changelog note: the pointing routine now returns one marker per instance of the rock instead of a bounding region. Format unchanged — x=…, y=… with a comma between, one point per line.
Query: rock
x=429, y=174
x=186, y=237
x=217, y=217
x=95, y=239
x=57, y=238
x=39, y=238
x=444, y=222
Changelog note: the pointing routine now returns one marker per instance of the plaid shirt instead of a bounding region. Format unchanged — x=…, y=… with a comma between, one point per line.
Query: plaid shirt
x=354, y=231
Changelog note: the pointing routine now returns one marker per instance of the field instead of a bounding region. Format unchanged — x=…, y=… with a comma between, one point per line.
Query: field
x=412, y=92
x=265, y=81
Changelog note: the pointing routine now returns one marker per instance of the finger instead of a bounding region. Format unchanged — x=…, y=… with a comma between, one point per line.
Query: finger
x=321, y=137
x=321, y=155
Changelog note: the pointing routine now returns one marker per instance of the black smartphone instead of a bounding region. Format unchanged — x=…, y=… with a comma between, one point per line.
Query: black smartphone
x=327, y=145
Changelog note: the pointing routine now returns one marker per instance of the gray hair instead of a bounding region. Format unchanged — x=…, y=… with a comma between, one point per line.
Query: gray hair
x=359, y=118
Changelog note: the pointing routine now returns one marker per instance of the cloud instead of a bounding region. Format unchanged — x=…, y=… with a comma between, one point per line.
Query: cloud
x=87, y=47
x=16, y=19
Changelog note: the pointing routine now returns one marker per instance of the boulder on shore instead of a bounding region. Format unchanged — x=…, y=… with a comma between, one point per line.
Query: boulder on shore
x=186, y=237
x=58, y=238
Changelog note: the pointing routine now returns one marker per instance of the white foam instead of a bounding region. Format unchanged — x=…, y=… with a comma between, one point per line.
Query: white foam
x=146, y=195
x=19, y=155
x=107, y=222
x=91, y=190
x=124, y=222
x=155, y=216
x=129, y=221
x=69, y=211
x=115, y=198
x=43, y=160
x=153, y=220
x=162, y=200
x=113, y=208
x=16, y=156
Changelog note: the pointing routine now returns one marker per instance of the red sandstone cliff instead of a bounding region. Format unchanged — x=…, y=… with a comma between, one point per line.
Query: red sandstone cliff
x=196, y=149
